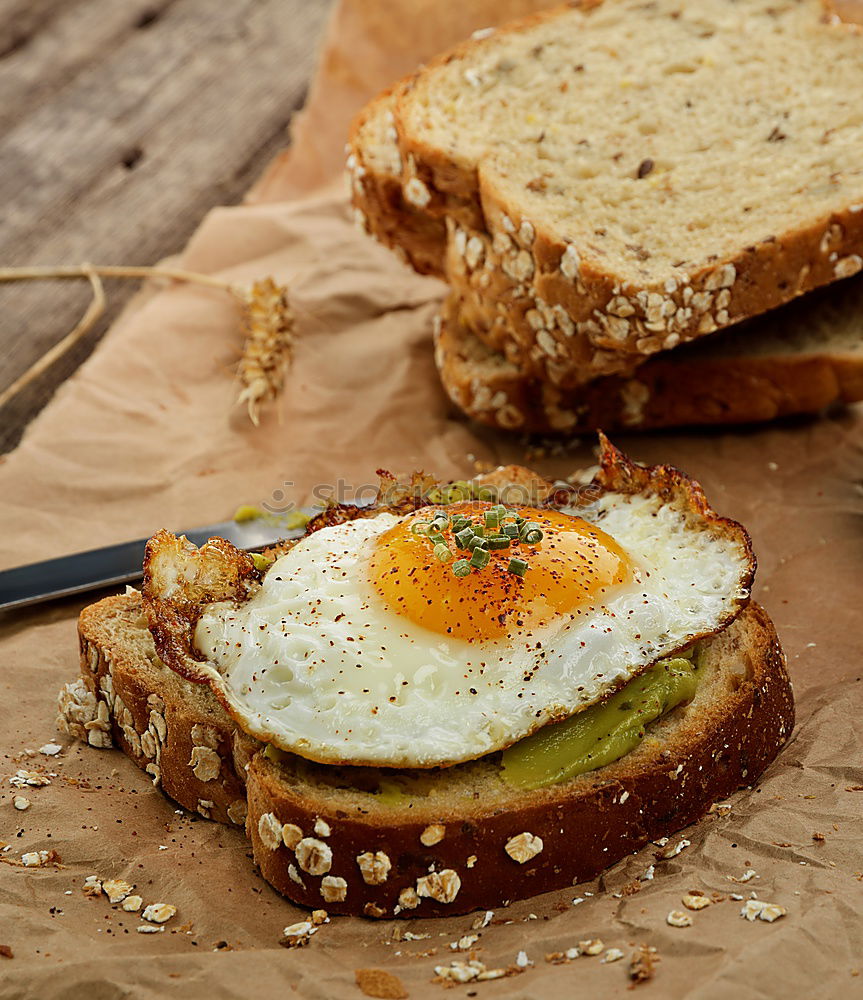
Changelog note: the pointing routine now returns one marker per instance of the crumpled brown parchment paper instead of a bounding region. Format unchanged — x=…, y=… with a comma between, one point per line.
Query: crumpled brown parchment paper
x=145, y=435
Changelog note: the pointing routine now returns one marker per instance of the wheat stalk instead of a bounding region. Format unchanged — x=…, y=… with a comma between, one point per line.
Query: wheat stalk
x=268, y=322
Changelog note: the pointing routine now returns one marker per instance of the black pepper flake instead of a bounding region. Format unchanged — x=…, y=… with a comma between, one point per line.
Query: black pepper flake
x=644, y=168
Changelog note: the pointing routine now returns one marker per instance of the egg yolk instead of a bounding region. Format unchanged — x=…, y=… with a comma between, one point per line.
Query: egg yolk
x=573, y=565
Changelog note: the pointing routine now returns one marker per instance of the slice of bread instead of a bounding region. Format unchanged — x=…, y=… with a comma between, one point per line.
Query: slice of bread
x=374, y=168
x=441, y=842
x=660, y=172
x=800, y=359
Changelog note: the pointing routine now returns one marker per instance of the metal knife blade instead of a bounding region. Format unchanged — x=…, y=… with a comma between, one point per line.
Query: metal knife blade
x=115, y=564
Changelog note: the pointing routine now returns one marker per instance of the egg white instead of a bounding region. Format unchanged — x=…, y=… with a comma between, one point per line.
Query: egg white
x=315, y=663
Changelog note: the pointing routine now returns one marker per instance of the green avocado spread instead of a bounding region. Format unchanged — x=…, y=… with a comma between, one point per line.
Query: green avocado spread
x=590, y=739
x=602, y=733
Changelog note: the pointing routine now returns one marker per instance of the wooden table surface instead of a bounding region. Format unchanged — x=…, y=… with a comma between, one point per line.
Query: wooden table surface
x=121, y=123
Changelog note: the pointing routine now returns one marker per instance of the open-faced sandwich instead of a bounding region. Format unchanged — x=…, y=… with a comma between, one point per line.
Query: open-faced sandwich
x=455, y=697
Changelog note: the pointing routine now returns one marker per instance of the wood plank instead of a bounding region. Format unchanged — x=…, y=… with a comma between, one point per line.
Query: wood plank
x=125, y=149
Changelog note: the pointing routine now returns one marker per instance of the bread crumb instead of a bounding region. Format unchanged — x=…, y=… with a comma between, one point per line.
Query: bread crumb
x=612, y=955
x=380, y=983
x=642, y=965
x=677, y=918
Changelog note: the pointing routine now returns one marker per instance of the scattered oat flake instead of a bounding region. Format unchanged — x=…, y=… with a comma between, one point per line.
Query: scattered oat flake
x=298, y=935
x=745, y=877
x=759, y=909
x=642, y=965
x=50, y=749
x=38, y=859
x=522, y=961
x=591, y=947
x=695, y=901
x=320, y=917
x=411, y=936
x=674, y=850
x=471, y=971
x=648, y=875
x=464, y=943
x=149, y=929
x=818, y=837
x=21, y=803
x=483, y=920
x=158, y=913
x=677, y=918
x=22, y=778
x=117, y=890
x=380, y=983
x=612, y=955
x=131, y=904
x=92, y=886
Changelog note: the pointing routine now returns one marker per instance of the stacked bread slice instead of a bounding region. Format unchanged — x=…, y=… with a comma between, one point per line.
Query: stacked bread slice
x=604, y=185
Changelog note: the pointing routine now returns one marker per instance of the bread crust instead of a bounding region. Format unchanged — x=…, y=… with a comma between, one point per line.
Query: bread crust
x=380, y=207
x=669, y=390
x=585, y=825
x=157, y=718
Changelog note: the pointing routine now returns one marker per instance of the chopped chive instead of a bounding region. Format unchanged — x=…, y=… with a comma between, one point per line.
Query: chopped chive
x=517, y=567
x=485, y=493
x=510, y=530
x=479, y=530
x=436, y=538
x=461, y=567
x=492, y=520
x=533, y=536
x=460, y=522
x=476, y=542
x=443, y=552
x=464, y=536
x=420, y=527
x=480, y=558
x=499, y=542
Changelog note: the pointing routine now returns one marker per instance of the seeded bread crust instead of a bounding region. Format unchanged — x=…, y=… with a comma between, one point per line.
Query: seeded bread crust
x=622, y=322
x=380, y=208
x=173, y=729
x=700, y=384
x=461, y=852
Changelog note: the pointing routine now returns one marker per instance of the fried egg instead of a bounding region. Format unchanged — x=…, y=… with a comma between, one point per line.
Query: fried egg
x=362, y=647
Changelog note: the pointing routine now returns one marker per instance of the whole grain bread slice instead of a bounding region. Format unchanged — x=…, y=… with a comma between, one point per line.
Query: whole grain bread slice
x=387, y=843
x=800, y=359
x=658, y=172
x=374, y=169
